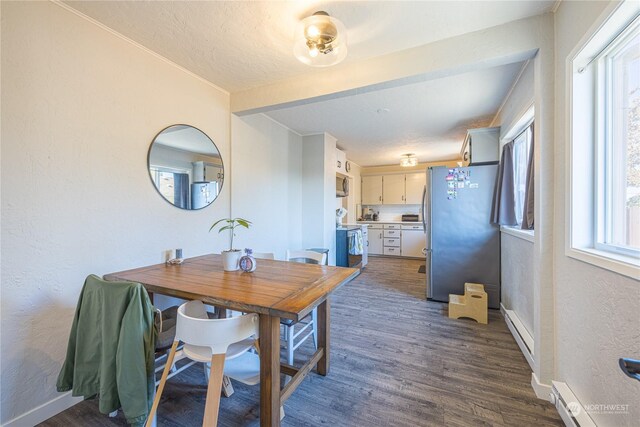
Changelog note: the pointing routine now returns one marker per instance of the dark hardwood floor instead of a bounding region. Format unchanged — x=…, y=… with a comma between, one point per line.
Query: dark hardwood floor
x=396, y=360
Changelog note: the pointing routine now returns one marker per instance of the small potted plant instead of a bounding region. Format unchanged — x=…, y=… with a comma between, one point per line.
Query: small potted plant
x=231, y=257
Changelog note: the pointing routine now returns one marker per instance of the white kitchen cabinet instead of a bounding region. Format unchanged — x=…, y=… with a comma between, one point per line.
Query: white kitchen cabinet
x=372, y=190
x=414, y=187
x=482, y=146
x=393, y=189
x=341, y=161
x=203, y=171
x=392, y=242
x=413, y=241
x=213, y=172
x=392, y=233
x=391, y=251
x=375, y=240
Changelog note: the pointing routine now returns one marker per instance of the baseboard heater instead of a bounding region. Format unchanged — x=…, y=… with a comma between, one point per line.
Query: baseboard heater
x=569, y=407
x=520, y=334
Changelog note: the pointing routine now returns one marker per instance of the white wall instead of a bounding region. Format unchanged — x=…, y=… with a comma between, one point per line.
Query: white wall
x=319, y=193
x=520, y=98
x=80, y=107
x=598, y=319
x=517, y=254
x=517, y=277
x=266, y=184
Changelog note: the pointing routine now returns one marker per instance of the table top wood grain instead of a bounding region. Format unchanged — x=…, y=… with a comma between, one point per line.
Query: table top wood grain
x=277, y=288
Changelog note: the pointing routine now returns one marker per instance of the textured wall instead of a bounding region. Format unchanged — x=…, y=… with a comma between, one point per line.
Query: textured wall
x=518, y=101
x=598, y=319
x=267, y=172
x=517, y=277
x=80, y=107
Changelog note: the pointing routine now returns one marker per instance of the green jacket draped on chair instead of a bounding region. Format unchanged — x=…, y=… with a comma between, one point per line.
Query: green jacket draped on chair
x=111, y=348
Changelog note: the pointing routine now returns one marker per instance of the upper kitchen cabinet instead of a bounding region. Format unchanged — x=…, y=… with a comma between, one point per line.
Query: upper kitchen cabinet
x=481, y=146
x=414, y=187
x=393, y=190
x=372, y=190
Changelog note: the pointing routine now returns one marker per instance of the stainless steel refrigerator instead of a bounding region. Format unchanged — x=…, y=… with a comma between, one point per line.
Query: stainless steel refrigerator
x=203, y=193
x=462, y=244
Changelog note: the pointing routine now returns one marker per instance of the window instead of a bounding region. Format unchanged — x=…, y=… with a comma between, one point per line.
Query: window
x=604, y=185
x=521, y=151
x=618, y=150
x=165, y=181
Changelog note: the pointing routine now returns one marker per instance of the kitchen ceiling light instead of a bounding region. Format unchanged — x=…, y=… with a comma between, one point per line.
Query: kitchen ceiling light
x=408, y=160
x=320, y=40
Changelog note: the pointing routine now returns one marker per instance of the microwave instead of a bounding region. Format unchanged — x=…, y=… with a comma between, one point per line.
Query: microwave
x=342, y=186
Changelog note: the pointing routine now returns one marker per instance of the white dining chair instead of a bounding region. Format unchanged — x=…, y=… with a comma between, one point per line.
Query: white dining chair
x=309, y=325
x=264, y=255
x=224, y=343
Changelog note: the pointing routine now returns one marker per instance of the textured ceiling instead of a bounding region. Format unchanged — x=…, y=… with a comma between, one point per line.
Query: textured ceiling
x=429, y=119
x=238, y=45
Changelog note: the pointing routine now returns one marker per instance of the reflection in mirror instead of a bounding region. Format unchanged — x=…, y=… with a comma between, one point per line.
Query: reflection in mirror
x=185, y=167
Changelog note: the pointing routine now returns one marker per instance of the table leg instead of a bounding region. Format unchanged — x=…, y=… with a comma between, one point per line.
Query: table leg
x=323, y=336
x=269, y=371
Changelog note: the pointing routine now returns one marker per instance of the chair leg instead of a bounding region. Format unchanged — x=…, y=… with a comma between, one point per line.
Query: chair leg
x=314, y=319
x=163, y=380
x=290, y=343
x=212, y=405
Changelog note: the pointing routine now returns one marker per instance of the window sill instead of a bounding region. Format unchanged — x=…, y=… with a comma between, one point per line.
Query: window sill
x=518, y=232
x=621, y=264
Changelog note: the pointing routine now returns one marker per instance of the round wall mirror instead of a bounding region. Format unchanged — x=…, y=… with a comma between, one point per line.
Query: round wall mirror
x=185, y=167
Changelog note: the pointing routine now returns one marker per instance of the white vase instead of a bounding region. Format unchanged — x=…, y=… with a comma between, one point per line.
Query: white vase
x=230, y=260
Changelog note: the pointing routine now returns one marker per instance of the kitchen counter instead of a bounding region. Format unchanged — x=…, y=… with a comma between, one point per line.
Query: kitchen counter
x=391, y=222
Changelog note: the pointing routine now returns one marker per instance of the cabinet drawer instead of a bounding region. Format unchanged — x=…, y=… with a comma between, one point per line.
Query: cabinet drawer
x=412, y=227
x=391, y=251
x=392, y=226
x=392, y=242
x=375, y=227
x=391, y=233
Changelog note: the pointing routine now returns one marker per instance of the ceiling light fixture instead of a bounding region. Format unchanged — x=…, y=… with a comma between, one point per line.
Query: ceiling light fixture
x=408, y=160
x=320, y=40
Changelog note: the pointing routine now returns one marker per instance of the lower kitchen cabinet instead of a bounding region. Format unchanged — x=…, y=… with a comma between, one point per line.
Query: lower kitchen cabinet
x=375, y=239
x=396, y=240
x=413, y=242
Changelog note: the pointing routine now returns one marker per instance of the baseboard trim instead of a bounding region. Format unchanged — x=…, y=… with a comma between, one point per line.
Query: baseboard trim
x=520, y=334
x=542, y=391
x=44, y=411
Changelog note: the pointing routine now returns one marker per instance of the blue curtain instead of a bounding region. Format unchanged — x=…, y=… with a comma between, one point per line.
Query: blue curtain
x=503, y=211
x=181, y=190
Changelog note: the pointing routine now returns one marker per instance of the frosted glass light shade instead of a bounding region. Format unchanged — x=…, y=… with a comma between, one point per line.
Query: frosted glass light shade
x=320, y=40
x=408, y=160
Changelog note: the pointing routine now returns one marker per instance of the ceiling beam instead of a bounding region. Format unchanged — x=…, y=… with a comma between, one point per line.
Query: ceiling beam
x=507, y=43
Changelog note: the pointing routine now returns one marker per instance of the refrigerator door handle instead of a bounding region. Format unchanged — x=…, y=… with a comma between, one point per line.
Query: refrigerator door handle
x=424, y=210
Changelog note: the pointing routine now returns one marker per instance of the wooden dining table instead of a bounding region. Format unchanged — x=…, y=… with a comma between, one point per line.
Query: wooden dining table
x=275, y=290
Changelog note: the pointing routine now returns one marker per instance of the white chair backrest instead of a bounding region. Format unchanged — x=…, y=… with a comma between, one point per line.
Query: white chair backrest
x=308, y=257
x=264, y=255
x=195, y=328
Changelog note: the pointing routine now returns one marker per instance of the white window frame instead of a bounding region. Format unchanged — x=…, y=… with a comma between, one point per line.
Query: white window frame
x=604, y=156
x=526, y=119
x=585, y=192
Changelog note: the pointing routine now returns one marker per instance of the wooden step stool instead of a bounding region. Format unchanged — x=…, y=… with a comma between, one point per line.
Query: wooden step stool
x=472, y=304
